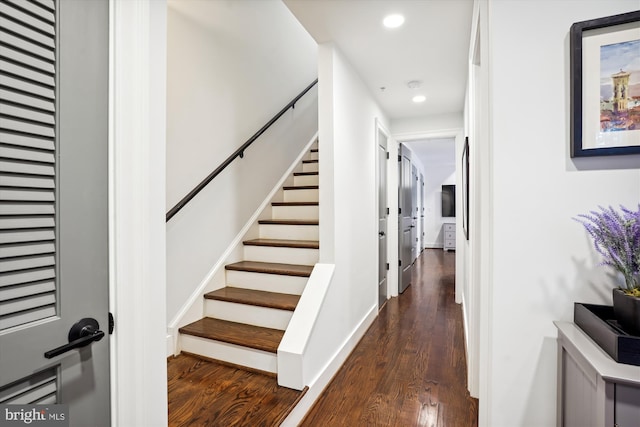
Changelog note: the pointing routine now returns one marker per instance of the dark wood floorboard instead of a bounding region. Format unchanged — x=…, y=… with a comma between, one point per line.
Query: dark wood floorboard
x=255, y=298
x=207, y=393
x=265, y=339
x=271, y=268
x=410, y=368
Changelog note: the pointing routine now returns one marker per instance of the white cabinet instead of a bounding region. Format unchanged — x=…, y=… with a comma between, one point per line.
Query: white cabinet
x=449, y=236
x=593, y=390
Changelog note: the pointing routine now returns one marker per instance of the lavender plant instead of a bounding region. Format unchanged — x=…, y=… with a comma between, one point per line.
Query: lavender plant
x=616, y=236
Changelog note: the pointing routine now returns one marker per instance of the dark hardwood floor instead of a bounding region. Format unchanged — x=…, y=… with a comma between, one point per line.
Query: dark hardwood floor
x=408, y=370
x=207, y=393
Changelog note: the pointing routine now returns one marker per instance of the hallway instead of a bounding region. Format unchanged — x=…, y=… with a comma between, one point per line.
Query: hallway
x=409, y=369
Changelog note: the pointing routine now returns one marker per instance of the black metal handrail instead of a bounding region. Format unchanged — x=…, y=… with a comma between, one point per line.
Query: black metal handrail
x=238, y=153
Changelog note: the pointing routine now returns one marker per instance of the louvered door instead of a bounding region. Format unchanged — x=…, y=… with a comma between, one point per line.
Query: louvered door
x=53, y=202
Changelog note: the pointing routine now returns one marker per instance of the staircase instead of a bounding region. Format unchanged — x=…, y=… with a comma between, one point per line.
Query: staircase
x=244, y=321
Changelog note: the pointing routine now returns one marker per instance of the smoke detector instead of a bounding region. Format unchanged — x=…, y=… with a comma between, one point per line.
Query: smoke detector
x=414, y=84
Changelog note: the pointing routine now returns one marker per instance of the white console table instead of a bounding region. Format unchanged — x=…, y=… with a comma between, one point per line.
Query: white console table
x=593, y=389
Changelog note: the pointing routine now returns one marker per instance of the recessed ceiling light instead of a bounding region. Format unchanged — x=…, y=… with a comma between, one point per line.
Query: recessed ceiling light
x=419, y=98
x=393, y=21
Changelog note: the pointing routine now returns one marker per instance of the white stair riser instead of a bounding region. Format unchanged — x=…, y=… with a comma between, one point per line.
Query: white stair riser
x=248, y=314
x=306, y=180
x=310, y=167
x=281, y=255
x=313, y=155
x=249, y=357
x=267, y=282
x=289, y=232
x=301, y=195
x=295, y=212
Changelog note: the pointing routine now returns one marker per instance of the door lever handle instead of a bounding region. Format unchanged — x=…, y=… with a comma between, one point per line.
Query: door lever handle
x=81, y=334
x=381, y=233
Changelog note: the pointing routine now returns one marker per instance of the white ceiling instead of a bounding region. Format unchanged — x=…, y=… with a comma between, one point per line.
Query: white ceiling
x=432, y=46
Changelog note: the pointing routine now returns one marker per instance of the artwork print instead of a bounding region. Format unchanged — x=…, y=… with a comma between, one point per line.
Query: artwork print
x=620, y=86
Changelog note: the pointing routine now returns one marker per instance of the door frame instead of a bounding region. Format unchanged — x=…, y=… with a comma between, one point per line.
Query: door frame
x=137, y=288
x=379, y=127
x=458, y=135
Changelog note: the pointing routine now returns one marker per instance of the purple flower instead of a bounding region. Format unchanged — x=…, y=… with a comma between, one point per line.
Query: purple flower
x=616, y=236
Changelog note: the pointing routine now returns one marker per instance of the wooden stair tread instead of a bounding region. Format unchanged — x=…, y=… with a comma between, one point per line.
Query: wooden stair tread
x=289, y=222
x=309, y=161
x=264, y=339
x=306, y=173
x=295, y=204
x=301, y=187
x=256, y=298
x=271, y=268
x=314, y=150
x=283, y=243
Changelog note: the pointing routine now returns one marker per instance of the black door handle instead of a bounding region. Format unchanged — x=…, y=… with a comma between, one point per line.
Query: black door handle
x=81, y=334
x=381, y=233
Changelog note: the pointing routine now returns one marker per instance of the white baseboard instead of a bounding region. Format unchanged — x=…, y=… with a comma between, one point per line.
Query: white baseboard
x=329, y=371
x=465, y=326
x=433, y=246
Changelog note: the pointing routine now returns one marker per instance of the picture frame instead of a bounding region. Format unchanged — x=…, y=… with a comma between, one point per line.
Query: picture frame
x=605, y=101
x=465, y=188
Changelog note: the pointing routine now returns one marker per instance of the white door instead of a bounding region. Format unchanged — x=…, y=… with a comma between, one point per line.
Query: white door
x=53, y=205
x=383, y=211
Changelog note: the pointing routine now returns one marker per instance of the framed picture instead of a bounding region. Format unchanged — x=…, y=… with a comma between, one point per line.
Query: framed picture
x=465, y=188
x=605, y=86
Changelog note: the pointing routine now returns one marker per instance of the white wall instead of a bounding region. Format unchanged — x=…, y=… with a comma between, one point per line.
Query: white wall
x=436, y=175
x=231, y=66
x=352, y=162
x=349, y=233
x=542, y=260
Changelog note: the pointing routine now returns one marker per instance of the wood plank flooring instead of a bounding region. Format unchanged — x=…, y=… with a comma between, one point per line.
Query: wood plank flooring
x=408, y=370
x=207, y=393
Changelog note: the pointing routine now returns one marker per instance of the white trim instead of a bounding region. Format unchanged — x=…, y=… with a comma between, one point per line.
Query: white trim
x=436, y=134
x=137, y=199
x=293, y=346
x=192, y=309
x=465, y=325
x=392, y=272
x=231, y=353
x=484, y=165
x=112, y=251
x=321, y=381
